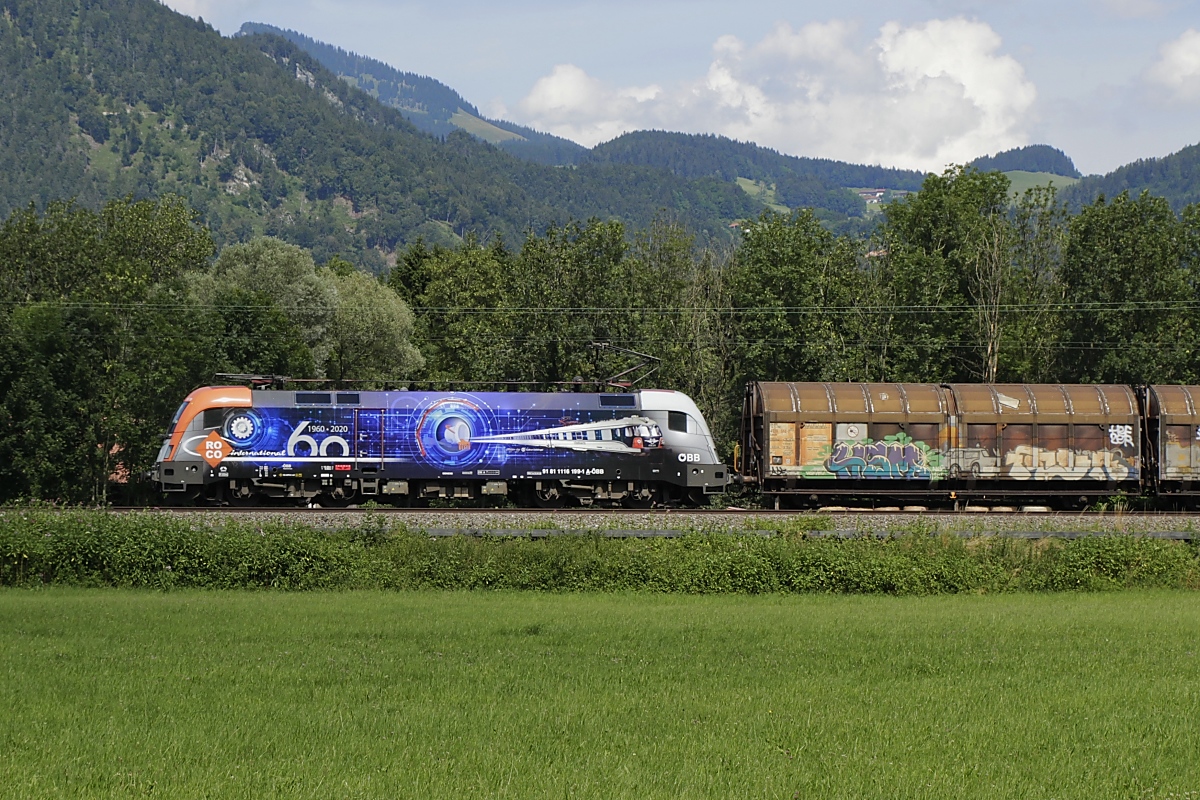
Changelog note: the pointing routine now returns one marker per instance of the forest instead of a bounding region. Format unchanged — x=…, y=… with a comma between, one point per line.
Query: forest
x=110, y=317
x=127, y=97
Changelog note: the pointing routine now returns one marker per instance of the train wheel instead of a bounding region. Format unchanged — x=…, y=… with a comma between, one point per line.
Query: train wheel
x=548, y=497
x=642, y=499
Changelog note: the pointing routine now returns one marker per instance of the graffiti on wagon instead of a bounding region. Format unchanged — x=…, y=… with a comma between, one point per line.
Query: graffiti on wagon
x=895, y=456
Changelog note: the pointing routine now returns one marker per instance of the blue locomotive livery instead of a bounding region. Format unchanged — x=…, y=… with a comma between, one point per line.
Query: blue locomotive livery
x=237, y=445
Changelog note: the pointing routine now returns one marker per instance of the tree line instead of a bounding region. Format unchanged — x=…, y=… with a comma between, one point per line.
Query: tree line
x=108, y=318
x=960, y=283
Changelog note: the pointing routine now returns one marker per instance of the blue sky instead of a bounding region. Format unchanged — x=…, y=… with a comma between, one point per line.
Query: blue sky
x=909, y=83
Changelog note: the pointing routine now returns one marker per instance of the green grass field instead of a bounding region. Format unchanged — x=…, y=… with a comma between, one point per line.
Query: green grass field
x=1020, y=181
x=482, y=128
x=440, y=694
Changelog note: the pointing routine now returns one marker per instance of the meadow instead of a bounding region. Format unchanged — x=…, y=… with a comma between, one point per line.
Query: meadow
x=191, y=693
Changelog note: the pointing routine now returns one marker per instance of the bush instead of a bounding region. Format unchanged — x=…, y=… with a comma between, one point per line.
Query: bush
x=92, y=548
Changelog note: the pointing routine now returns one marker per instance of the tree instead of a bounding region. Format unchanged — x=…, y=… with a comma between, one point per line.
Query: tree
x=945, y=258
x=1033, y=326
x=1129, y=294
x=791, y=285
x=287, y=280
x=89, y=325
x=465, y=325
x=369, y=335
x=571, y=287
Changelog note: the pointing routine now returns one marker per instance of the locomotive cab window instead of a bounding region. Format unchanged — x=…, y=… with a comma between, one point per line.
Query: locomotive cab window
x=213, y=417
x=677, y=421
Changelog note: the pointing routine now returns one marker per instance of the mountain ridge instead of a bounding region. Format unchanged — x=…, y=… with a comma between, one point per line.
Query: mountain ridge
x=425, y=101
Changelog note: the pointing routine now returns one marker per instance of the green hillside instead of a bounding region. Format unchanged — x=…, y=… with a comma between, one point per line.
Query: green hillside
x=1021, y=181
x=427, y=103
x=128, y=97
x=795, y=182
x=1031, y=158
x=482, y=128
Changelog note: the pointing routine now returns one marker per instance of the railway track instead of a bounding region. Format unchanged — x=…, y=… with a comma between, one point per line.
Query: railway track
x=667, y=523
x=1039, y=512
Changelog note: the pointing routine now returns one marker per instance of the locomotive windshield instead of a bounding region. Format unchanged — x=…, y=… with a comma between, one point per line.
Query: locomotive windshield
x=178, y=414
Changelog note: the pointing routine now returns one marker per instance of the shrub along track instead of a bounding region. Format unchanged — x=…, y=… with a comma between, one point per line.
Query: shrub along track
x=657, y=552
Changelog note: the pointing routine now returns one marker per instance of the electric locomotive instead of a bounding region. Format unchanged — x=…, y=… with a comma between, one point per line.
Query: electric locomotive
x=236, y=445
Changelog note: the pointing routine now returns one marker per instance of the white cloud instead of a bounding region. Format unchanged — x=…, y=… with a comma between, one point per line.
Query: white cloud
x=1178, y=66
x=920, y=96
x=568, y=93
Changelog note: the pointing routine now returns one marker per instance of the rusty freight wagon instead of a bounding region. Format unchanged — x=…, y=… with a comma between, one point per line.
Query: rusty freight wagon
x=811, y=443
x=1172, y=426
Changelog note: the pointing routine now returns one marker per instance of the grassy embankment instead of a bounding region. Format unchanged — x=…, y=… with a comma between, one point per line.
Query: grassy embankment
x=498, y=694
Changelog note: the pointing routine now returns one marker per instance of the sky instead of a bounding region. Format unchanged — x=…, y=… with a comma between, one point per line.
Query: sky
x=918, y=84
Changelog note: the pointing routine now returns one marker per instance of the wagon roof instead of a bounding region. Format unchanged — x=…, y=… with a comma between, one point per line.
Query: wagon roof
x=819, y=402
x=1013, y=402
x=1175, y=403
x=1033, y=402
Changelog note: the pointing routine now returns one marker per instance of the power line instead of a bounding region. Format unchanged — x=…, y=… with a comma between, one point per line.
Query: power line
x=1121, y=306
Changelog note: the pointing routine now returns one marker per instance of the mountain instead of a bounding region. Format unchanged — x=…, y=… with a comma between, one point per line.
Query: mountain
x=428, y=104
x=781, y=181
x=1033, y=158
x=706, y=155
x=113, y=97
x=1175, y=177
x=790, y=181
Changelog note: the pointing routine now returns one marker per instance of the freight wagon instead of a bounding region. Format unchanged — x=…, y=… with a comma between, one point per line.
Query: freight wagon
x=846, y=443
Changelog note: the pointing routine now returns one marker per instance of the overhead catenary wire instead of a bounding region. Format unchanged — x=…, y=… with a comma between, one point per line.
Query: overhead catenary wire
x=1122, y=306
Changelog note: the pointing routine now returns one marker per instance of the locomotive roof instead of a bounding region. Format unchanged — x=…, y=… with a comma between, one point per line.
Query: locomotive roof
x=380, y=399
